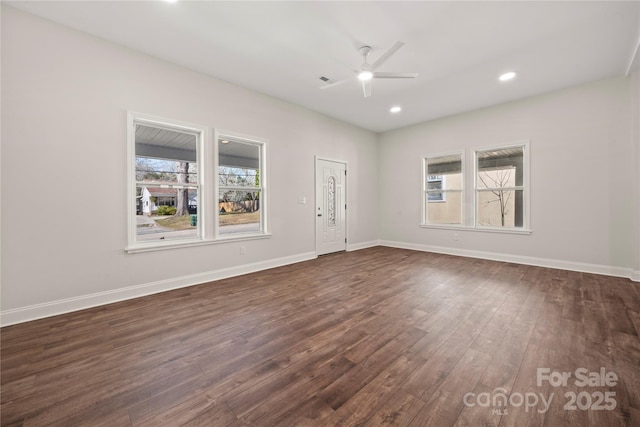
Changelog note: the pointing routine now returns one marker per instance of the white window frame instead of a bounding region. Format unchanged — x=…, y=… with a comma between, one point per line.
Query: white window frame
x=424, y=195
x=525, y=187
x=207, y=185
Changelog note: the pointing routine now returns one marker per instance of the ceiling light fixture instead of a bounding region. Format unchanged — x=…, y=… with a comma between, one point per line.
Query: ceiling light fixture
x=224, y=141
x=507, y=76
x=395, y=109
x=365, y=75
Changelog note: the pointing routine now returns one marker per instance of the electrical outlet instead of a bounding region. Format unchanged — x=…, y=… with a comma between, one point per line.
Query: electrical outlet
x=456, y=237
x=243, y=250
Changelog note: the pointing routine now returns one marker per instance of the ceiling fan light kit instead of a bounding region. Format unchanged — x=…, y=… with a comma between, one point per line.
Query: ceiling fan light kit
x=365, y=75
x=367, y=72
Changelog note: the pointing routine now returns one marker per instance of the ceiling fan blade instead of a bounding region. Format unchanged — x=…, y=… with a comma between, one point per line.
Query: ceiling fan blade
x=366, y=88
x=387, y=55
x=339, y=82
x=390, y=75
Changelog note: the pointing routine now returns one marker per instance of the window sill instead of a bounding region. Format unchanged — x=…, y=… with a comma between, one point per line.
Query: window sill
x=445, y=226
x=523, y=231
x=134, y=249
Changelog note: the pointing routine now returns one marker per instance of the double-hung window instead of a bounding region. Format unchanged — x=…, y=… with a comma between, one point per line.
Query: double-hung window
x=442, y=189
x=498, y=179
x=185, y=189
x=241, y=186
x=500, y=187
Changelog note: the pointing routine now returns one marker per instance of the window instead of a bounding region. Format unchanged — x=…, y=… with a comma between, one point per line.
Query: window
x=167, y=182
x=443, y=184
x=500, y=196
x=241, y=186
x=499, y=201
x=173, y=185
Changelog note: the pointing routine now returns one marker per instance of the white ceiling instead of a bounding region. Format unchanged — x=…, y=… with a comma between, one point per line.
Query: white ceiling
x=458, y=48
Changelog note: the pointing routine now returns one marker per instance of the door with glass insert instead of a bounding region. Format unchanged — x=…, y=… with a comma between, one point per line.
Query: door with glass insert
x=330, y=206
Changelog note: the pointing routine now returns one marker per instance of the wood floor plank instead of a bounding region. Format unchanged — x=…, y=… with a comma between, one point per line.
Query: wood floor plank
x=344, y=388
x=426, y=380
x=200, y=408
x=276, y=404
x=514, y=415
x=379, y=336
x=375, y=394
x=398, y=411
x=473, y=414
x=445, y=404
x=313, y=412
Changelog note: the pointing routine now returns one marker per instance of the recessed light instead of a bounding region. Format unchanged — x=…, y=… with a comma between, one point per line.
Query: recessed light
x=395, y=109
x=507, y=76
x=224, y=141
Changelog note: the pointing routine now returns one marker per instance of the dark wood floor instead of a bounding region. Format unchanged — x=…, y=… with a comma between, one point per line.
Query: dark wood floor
x=379, y=336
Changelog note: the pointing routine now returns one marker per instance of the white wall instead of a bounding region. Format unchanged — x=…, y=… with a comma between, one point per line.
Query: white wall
x=64, y=101
x=584, y=190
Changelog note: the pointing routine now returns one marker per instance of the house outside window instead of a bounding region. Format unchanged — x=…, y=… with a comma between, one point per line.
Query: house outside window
x=436, y=182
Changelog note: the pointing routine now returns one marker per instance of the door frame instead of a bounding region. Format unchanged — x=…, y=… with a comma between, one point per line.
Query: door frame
x=315, y=199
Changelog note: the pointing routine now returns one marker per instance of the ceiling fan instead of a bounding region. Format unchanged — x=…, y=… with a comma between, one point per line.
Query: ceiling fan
x=368, y=71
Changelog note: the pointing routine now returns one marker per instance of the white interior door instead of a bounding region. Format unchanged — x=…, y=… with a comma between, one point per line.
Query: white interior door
x=331, y=206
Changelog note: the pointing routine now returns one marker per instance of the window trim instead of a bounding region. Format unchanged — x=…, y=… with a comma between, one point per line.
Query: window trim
x=207, y=167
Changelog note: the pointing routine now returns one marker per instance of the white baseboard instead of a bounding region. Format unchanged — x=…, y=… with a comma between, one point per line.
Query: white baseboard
x=53, y=308
x=363, y=245
x=518, y=259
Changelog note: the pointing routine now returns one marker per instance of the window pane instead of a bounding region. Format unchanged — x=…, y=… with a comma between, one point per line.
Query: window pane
x=436, y=196
x=500, y=208
x=499, y=185
x=447, y=170
x=447, y=211
x=497, y=178
x=240, y=187
x=500, y=168
x=156, y=213
x=434, y=182
x=443, y=196
x=164, y=155
x=237, y=177
x=166, y=175
x=238, y=164
x=239, y=211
